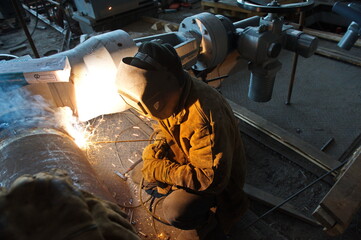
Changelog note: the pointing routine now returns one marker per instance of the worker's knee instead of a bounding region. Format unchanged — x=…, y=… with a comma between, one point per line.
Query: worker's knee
x=187, y=210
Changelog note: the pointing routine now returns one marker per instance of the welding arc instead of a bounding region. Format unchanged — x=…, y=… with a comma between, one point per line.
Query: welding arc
x=295, y=194
x=123, y=141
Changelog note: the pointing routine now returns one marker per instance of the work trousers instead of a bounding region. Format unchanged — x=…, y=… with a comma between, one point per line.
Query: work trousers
x=186, y=210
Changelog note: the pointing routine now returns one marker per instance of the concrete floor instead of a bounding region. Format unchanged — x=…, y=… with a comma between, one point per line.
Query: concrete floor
x=325, y=100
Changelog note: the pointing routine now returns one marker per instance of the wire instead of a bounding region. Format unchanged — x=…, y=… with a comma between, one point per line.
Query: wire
x=295, y=194
x=149, y=212
x=31, y=34
x=124, y=141
x=136, y=206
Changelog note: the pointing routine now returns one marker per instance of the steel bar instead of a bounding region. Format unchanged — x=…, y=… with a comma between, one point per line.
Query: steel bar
x=25, y=28
x=294, y=65
x=327, y=144
x=295, y=194
x=44, y=19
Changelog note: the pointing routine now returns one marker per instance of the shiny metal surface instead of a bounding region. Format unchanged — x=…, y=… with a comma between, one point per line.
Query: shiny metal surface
x=34, y=150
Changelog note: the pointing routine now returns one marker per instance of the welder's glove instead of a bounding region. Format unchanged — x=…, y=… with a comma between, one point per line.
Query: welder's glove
x=156, y=169
x=158, y=150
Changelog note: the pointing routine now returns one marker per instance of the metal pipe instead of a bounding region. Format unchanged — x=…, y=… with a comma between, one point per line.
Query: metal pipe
x=29, y=150
x=294, y=64
x=292, y=80
x=25, y=28
x=252, y=21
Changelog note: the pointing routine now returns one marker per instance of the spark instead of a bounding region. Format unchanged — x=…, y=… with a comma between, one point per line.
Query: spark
x=80, y=132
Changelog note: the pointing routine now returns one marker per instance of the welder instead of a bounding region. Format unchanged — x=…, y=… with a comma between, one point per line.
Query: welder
x=201, y=160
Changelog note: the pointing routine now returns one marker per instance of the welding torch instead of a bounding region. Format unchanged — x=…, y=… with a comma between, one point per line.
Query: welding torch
x=160, y=150
x=124, y=175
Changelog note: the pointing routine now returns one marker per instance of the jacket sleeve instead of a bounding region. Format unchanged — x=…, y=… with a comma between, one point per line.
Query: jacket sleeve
x=210, y=160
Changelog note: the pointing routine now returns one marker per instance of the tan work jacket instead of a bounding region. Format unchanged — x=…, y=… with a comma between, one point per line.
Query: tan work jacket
x=207, y=146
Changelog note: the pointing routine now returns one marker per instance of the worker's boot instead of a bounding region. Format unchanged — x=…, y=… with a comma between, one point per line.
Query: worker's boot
x=210, y=230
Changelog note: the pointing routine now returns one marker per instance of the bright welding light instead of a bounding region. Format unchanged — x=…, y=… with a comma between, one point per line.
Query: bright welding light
x=110, y=8
x=79, y=131
x=96, y=92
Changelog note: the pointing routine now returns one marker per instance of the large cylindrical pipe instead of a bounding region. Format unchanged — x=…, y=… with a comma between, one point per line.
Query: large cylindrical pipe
x=31, y=149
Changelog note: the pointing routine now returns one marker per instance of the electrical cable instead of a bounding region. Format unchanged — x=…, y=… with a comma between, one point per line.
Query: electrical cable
x=31, y=34
x=136, y=206
x=142, y=203
x=148, y=211
x=295, y=194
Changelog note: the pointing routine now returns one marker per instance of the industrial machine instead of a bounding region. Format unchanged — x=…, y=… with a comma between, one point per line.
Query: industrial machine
x=203, y=41
x=106, y=15
x=351, y=11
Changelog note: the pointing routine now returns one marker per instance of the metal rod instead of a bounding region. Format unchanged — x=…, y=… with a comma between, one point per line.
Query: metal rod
x=252, y=21
x=44, y=19
x=294, y=65
x=327, y=144
x=25, y=28
x=216, y=78
x=295, y=194
x=292, y=81
x=123, y=141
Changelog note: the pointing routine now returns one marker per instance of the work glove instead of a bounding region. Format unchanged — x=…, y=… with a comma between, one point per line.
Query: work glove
x=155, y=166
x=157, y=150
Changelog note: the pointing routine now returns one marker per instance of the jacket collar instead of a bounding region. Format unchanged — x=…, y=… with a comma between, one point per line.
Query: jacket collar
x=178, y=118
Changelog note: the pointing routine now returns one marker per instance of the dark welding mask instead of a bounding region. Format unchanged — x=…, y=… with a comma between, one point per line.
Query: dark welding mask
x=153, y=93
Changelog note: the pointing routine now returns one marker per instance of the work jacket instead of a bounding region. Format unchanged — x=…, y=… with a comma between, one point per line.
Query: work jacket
x=207, y=154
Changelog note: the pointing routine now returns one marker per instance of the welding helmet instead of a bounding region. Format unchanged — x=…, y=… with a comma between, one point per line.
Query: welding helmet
x=151, y=81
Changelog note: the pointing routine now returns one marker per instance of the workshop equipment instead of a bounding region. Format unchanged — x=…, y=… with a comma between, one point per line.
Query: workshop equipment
x=203, y=41
x=124, y=175
x=95, y=15
x=19, y=72
x=351, y=11
x=31, y=142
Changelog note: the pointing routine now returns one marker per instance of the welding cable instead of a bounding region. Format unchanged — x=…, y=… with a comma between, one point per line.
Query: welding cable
x=295, y=194
x=151, y=213
x=153, y=219
x=148, y=211
x=31, y=34
x=136, y=206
